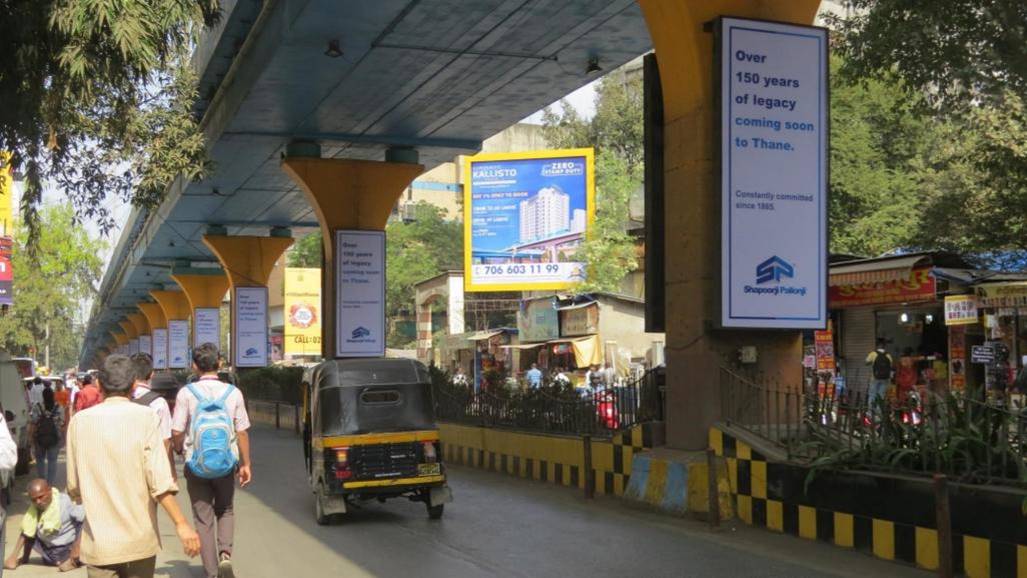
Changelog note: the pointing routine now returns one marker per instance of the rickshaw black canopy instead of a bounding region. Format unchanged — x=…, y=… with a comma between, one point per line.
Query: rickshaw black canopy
x=360, y=396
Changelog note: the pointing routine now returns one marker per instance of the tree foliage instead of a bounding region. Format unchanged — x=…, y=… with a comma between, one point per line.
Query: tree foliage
x=97, y=98
x=963, y=68
x=306, y=252
x=953, y=54
x=50, y=288
x=878, y=142
x=415, y=251
x=616, y=132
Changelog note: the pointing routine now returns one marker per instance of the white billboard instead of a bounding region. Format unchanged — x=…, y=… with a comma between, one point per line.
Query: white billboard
x=773, y=159
x=359, y=293
x=250, y=339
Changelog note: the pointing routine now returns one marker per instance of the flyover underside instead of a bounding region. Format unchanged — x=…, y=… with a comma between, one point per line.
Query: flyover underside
x=439, y=76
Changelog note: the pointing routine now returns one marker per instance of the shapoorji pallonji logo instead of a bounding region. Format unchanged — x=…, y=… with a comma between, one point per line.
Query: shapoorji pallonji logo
x=773, y=269
x=771, y=272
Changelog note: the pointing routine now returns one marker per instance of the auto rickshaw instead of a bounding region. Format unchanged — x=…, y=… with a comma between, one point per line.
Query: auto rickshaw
x=369, y=434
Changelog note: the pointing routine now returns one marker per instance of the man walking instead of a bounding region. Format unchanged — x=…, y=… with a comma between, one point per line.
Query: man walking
x=89, y=395
x=534, y=376
x=52, y=527
x=881, y=368
x=143, y=395
x=118, y=470
x=211, y=420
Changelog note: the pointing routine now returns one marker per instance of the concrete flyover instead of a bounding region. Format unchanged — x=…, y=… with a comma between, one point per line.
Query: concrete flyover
x=319, y=113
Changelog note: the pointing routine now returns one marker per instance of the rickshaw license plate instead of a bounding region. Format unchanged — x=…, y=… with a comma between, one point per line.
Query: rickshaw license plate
x=429, y=469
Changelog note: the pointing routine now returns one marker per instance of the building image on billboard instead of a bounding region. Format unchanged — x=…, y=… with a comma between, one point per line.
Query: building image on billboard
x=525, y=216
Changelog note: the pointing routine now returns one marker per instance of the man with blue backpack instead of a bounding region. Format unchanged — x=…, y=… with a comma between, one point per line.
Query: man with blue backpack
x=210, y=425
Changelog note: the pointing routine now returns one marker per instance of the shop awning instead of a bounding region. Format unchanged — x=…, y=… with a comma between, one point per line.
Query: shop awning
x=576, y=306
x=1009, y=294
x=483, y=335
x=875, y=271
x=587, y=350
x=523, y=345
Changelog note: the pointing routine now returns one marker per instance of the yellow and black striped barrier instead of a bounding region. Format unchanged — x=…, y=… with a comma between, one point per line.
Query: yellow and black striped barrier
x=547, y=458
x=892, y=518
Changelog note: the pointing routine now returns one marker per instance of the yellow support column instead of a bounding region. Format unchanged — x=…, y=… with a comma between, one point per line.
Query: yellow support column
x=158, y=333
x=694, y=353
x=347, y=194
x=142, y=330
x=248, y=261
x=176, y=309
x=204, y=289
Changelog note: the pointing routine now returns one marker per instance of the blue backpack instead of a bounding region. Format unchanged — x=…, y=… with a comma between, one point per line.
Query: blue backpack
x=212, y=433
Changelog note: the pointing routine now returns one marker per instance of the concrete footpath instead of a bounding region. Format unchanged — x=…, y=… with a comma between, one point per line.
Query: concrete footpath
x=497, y=526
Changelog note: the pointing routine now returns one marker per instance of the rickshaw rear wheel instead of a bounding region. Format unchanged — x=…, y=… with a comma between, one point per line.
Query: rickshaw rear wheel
x=320, y=516
x=435, y=512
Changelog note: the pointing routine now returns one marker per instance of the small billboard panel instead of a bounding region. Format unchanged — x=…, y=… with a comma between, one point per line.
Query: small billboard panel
x=525, y=217
x=302, y=311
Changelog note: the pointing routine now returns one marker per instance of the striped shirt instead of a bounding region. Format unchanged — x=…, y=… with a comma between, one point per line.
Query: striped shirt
x=117, y=466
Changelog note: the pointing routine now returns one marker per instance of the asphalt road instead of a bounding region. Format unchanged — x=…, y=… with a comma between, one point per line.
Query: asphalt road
x=497, y=526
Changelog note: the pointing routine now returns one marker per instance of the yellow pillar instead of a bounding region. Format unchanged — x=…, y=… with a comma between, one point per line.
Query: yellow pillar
x=347, y=194
x=176, y=309
x=694, y=353
x=158, y=326
x=131, y=332
x=204, y=290
x=120, y=338
x=248, y=262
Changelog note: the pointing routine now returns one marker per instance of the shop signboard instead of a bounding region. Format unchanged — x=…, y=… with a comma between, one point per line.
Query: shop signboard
x=824, y=342
x=982, y=354
x=6, y=195
x=579, y=320
x=773, y=174
x=360, y=293
x=538, y=320
x=178, y=344
x=960, y=310
x=206, y=326
x=249, y=338
x=302, y=312
x=919, y=286
x=1013, y=294
x=160, y=348
x=6, y=271
x=525, y=216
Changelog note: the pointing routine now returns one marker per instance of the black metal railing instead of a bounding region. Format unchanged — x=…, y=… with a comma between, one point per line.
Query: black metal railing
x=967, y=439
x=555, y=408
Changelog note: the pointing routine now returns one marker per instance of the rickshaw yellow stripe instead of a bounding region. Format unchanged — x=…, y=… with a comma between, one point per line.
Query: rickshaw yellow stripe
x=382, y=438
x=395, y=482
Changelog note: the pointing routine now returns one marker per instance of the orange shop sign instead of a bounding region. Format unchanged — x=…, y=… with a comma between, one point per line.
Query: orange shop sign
x=919, y=286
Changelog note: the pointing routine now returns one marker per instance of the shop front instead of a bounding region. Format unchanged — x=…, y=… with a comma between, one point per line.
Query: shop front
x=900, y=300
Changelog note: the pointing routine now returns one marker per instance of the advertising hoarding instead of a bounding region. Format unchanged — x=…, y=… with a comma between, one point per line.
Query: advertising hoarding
x=360, y=293
x=302, y=311
x=146, y=345
x=525, y=216
x=206, y=326
x=160, y=348
x=773, y=174
x=250, y=339
x=6, y=271
x=178, y=344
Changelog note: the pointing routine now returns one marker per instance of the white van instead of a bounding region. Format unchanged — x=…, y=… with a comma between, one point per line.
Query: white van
x=14, y=400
